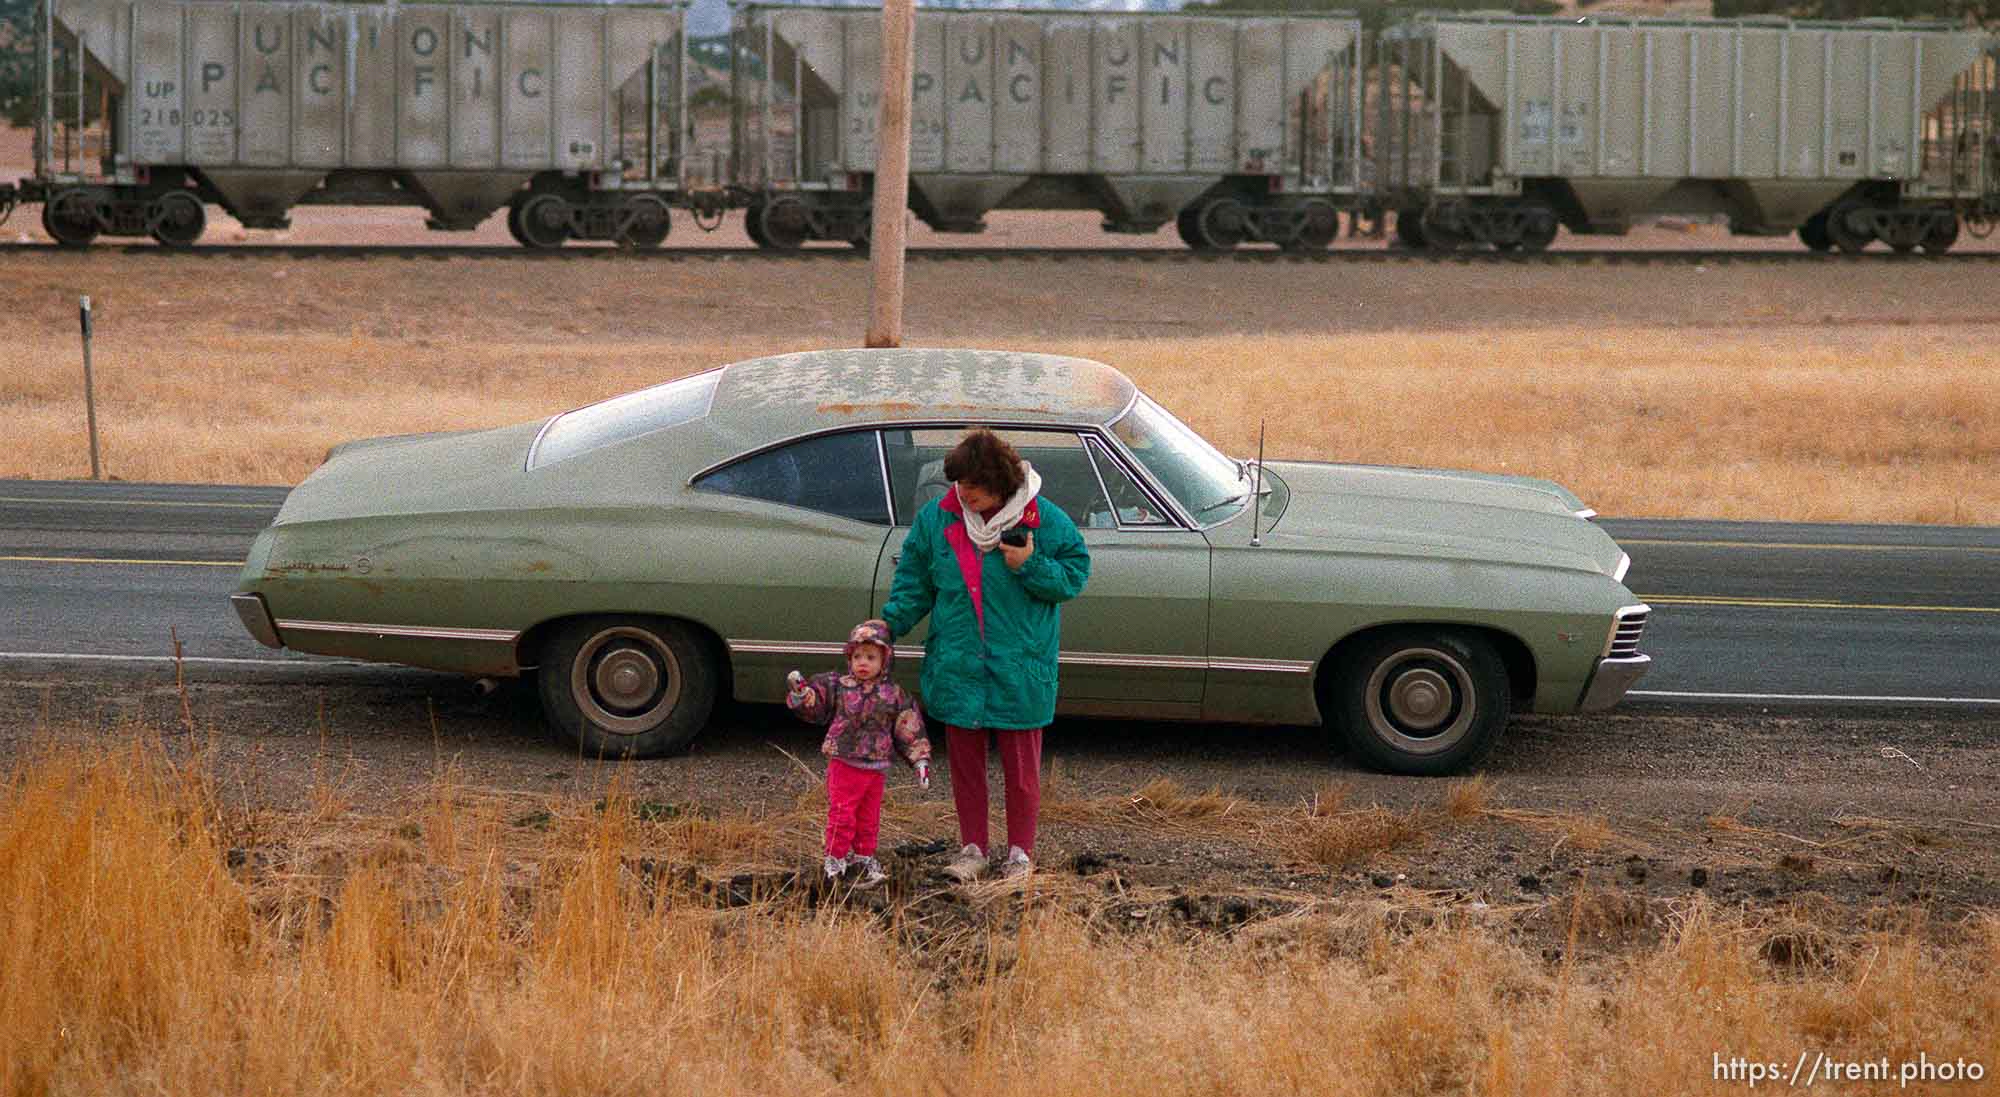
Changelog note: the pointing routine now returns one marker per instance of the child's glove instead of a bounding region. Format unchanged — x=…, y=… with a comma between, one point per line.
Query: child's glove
x=923, y=775
x=798, y=693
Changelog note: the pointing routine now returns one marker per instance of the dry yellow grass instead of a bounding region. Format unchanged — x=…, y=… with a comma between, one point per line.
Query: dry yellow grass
x=134, y=961
x=1809, y=424
x=1342, y=838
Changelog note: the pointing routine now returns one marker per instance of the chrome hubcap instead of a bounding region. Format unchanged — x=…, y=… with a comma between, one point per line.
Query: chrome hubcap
x=1419, y=698
x=626, y=680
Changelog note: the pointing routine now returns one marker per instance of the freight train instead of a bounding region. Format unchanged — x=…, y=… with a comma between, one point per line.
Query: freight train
x=606, y=121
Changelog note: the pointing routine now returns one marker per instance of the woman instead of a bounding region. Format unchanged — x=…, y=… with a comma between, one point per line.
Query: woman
x=990, y=662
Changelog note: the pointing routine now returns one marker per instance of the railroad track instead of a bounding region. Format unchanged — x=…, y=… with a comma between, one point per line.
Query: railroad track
x=433, y=252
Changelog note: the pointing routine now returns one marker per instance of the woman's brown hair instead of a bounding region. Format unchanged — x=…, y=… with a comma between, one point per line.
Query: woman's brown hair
x=985, y=460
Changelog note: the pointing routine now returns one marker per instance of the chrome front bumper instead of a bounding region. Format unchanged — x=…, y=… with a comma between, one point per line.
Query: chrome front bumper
x=1611, y=679
x=256, y=617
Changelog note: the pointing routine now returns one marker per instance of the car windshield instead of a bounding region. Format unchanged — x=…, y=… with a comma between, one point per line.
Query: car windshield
x=623, y=417
x=1208, y=484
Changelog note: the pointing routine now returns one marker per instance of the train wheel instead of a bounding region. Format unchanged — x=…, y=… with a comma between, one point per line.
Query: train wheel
x=1847, y=226
x=514, y=224
x=862, y=237
x=1943, y=234
x=1319, y=225
x=753, y=224
x=784, y=223
x=1442, y=229
x=1188, y=224
x=1221, y=224
x=70, y=218
x=176, y=219
x=1410, y=229
x=1539, y=225
x=1813, y=233
x=544, y=221
x=643, y=223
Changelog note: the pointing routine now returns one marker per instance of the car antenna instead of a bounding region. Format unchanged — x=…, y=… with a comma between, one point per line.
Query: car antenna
x=1257, y=485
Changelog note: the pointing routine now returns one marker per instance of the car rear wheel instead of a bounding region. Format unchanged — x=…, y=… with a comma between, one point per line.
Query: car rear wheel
x=1422, y=701
x=627, y=687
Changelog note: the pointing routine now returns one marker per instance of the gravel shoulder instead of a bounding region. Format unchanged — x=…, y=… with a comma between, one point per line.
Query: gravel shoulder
x=1841, y=820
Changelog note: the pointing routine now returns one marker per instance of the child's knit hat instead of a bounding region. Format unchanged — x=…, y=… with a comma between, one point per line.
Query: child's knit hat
x=872, y=632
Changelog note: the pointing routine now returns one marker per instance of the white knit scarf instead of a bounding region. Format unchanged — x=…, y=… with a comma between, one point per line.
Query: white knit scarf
x=985, y=532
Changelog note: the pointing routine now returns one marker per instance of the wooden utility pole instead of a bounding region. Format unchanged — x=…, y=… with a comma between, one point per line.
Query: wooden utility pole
x=89, y=387
x=892, y=175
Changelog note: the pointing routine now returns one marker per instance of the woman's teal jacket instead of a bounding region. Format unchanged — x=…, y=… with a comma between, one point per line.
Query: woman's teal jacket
x=990, y=665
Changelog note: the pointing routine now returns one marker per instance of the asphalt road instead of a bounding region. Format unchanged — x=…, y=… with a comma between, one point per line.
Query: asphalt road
x=1746, y=614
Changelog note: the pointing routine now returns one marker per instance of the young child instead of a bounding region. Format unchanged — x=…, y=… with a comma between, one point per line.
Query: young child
x=871, y=720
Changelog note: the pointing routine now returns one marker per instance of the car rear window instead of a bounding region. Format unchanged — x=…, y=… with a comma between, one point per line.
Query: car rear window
x=623, y=417
x=838, y=474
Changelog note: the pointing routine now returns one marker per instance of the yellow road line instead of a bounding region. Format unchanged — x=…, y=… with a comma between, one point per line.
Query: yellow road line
x=135, y=502
x=120, y=560
x=1992, y=549
x=1787, y=603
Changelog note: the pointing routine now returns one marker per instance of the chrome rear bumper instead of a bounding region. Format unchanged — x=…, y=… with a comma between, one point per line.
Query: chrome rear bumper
x=256, y=617
x=1611, y=679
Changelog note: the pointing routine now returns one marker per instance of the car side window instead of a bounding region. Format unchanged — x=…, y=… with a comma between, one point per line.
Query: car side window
x=916, y=470
x=1128, y=500
x=837, y=474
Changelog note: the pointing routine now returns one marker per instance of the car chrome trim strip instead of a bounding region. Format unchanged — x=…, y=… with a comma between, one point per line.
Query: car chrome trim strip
x=535, y=447
x=1586, y=513
x=1148, y=662
x=413, y=632
x=1624, y=565
x=762, y=647
x=1263, y=666
x=888, y=490
x=1069, y=658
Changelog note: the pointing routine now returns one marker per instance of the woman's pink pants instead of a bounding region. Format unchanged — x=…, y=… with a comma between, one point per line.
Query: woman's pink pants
x=1020, y=760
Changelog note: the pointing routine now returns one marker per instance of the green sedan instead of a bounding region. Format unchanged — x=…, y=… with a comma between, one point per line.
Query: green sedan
x=646, y=555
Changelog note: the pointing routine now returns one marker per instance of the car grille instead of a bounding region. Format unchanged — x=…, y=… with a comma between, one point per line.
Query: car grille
x=1625, y=641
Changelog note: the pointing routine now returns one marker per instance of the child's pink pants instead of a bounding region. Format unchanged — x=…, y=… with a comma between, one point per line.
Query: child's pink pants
x=853, y=809
x=1020, y=761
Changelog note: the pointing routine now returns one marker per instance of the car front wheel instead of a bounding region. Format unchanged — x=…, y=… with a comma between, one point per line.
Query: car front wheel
x=1422, y=702
x=627, y=687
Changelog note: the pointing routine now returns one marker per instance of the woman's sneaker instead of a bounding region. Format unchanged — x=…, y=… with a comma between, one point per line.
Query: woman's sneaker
x=1017, y=864
x=969, y=865
x=834, y=867
x=871, y=872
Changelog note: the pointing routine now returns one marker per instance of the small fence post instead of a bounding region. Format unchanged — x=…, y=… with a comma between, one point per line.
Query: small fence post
x=89, y=387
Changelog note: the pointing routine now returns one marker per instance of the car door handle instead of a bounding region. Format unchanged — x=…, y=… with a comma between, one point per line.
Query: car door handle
x=895, y=557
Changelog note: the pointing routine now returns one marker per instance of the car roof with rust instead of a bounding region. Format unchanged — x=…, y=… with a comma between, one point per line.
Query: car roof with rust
x=792, y=394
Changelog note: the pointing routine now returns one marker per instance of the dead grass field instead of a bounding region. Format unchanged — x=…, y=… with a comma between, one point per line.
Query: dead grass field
x=158, y=939
x=1788, y=424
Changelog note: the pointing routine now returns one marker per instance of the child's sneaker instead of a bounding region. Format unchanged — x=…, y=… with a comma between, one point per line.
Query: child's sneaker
x=1017, y=864
x=968, y=866
x=871, y=872
x=835, y=867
